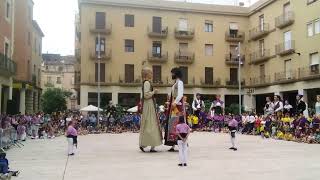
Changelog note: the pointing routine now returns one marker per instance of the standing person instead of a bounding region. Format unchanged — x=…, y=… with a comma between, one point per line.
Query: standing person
x=176, y=109
x=287, y=108
x=317, y=106
x=217, y=105
x=301, y=105
x=183, y=131
x=268, y=107
x=278, y=107
x=233, y=126
x=35, y=123
x=72, y=135
x=150, y=130
x=197, y=106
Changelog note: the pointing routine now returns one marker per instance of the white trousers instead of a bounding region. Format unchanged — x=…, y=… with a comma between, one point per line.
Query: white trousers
x=71, y=146
x=183, y=151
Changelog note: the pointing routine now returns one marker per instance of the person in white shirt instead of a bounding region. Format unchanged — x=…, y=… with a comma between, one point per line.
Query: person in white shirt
x=269, y=107
x=278, y=106
x=198, y=105
x=176, y=109
x=287, y=108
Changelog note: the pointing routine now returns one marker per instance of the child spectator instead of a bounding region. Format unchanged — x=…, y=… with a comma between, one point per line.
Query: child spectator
x=183, y=132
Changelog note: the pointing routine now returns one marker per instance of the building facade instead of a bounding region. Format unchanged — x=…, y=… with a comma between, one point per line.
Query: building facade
x=7, y=65
x=59, y=72
x=279, y=45
x=27, y=54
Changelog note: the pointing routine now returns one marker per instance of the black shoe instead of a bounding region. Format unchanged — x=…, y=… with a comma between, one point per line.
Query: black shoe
x=180, y=165
x=171, y=150
x=153, y=151
x=72, y=154
x=141, y=148
x=232, y=148
x=235, y=149
x=185, y=164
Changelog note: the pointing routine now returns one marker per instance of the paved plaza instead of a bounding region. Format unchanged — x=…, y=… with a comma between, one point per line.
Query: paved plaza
x=116, y=157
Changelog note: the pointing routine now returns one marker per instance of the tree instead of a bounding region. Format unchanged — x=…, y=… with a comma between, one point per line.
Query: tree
x=54, y=100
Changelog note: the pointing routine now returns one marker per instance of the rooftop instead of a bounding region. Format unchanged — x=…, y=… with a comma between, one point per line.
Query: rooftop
x=58, y=59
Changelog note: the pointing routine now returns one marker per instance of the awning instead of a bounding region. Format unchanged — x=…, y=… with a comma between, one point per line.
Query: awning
x=234, y=26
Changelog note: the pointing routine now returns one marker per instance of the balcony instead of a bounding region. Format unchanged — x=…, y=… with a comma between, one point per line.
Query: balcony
x=284, y=20
x=77, y=54
x=104, y=30
x=259, y=32
x=260, y=81
x=288, y=76
x=158, y=57
x=285, y=48
x=260, y=56
x=104, y=56
x=309, y=73
x=184, y=57
x=210, y=83
x=233, y=59
x=234, y=37
x=158, y=34
x=235, y=83
x=7, y=66
x=184, y=34
x=129, y=82
x=34, y=79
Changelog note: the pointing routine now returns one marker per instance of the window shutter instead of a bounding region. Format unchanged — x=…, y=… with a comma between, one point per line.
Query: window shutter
x=314, y=59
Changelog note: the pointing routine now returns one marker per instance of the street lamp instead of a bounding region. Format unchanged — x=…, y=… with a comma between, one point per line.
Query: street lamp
x=99, y=58
x=239, y=77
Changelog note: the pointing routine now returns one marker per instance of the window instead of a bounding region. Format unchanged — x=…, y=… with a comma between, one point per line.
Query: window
x=102, y=47
x=102, y=72
x=29, y=38
x=209, y=49
x=261, y=48
x=261, y=22
x=183, y=24
x=129, y=45
x=287, y=69
x=317, y=26
x=157, y=74
x=233, y=30
x=100, y=20
x=8, y=10
x=156, y=24
x=58, y=80
x=208, y=75
x=35, y=45
x=315, y=61
x=310, y=29
x=129, y=73
x=156, y=49
x=47, y=67
x=184, y=71
x=233, y=75
x=49, y=80
x=34, y=68
x=208, y=26
x=129, y=20
x=287, y=40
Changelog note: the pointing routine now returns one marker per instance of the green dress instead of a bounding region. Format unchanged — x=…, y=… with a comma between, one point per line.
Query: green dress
x=150, y=132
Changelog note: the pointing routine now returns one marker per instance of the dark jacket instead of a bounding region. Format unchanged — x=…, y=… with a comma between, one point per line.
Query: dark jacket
x=301, y=106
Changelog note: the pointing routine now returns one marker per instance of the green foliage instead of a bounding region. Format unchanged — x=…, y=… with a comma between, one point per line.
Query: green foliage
x=233, y=109
x=54, y=100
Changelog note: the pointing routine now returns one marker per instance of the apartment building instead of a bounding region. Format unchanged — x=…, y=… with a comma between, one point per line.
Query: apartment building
x=59, y=72
x=27, y=54
x=279, y=49
x=7, y=65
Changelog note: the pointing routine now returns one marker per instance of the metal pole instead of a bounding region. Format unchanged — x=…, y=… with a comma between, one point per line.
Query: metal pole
x=99, y=57
x=239, y=78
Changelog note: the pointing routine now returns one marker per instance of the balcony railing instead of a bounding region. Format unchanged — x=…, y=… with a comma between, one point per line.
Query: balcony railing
x=285, y=76
x=311, y=72
x=260, y=56
x=7, y=66
x=233, y=59
x=184, y=57
x=105, y=30
x=234, y=82
x=158, y=57
x=210, y=82
x=285, y=48
x=284, y=20
x=234, y=37
x=158, y=34
x=104, y=56
x=259, y=32
x=260, y=81
x=77, y=53
x=184, y=34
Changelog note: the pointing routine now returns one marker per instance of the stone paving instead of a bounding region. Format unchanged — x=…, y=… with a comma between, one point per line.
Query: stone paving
x=116, y=157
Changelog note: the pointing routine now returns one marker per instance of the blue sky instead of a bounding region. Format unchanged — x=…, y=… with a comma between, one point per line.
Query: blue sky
x=56, y=19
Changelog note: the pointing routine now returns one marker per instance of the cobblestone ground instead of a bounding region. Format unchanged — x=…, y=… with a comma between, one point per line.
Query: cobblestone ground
x=116, y=157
